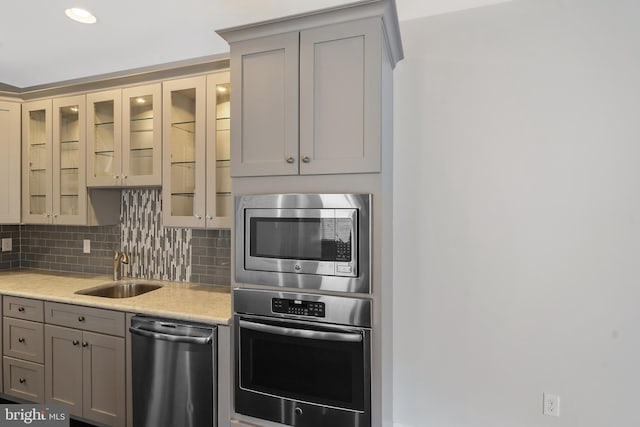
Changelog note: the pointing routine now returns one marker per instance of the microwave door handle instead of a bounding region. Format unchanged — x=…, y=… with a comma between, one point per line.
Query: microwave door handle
x=301, y=333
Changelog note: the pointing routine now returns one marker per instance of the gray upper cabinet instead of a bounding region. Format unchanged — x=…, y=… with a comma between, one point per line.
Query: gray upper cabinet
x=54, y=189
x=264, y=78
x=309, y=93
x=37, y=160
x=196, y=179
x=10, y=163
x=340, y=86
x=124, y=137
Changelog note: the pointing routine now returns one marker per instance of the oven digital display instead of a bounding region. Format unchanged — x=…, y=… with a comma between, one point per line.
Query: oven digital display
x=297, y=307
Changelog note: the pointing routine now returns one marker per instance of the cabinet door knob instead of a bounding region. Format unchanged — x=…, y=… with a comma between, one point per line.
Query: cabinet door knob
x=198, y=216
x=75, y=342
x=116, y=176
x=80, y=318
x=209, y=217
x=85, y=344
x=306, y=159
x=124, y=176
x=22, y=380
x=290, y=159
x=21, y=309
x=21, y=340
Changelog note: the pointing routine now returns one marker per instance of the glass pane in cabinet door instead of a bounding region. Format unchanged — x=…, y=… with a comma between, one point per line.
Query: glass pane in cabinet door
x=183, y=148
x=223, y=172
x=104, y=138
x=69, y=159
x=223, y=139
x=37, y=162
x=141, y=135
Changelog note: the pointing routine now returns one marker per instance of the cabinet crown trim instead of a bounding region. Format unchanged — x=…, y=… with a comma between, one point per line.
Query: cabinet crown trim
x=384, y=9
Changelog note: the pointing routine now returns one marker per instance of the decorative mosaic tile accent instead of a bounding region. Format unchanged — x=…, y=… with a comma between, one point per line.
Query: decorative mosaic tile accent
x=155, y=252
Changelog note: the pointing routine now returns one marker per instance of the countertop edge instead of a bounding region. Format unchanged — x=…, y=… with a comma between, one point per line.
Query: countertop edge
x=113, y=304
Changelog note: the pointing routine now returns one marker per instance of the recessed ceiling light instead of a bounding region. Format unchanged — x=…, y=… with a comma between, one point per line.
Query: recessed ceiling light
x=80, y=15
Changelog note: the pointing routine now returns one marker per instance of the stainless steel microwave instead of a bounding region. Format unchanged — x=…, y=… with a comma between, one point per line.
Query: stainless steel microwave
x=309, y=241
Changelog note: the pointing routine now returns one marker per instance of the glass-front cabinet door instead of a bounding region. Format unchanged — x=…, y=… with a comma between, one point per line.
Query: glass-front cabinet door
x=69, y=161
x=37, y=162
x=104, y=138
x=54, y=161
x=184, y=152
x=196, y=175
x=142, y=136
x=219, y=200
x=124, y=137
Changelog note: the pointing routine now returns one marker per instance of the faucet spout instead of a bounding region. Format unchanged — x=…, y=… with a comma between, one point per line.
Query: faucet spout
x=119, y=257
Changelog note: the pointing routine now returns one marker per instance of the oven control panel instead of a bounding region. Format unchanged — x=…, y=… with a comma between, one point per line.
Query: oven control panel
x=297, y=307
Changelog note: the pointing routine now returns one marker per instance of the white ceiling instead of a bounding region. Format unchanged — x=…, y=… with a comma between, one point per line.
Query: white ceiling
x=40, y=45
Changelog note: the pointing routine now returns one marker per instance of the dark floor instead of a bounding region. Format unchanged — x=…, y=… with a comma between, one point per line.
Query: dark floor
x=76, y=423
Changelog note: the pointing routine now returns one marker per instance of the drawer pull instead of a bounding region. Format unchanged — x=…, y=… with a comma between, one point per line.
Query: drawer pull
x=22, y=380
x=80, y=318
x=21, y=309
x=21, y=340
x=75, y=342
x=85, y=344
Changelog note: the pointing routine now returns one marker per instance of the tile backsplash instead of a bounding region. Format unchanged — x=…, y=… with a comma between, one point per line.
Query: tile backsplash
x=10, y=260
x=156, y=252
x=59, y=248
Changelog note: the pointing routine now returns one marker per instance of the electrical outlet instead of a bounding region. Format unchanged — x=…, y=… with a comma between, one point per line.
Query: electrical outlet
x=551, y=405
x=7, y=245
x=86, y=246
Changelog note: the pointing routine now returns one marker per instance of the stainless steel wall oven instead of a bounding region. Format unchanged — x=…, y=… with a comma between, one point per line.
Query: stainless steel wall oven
x=312, y=241
x=302, y=359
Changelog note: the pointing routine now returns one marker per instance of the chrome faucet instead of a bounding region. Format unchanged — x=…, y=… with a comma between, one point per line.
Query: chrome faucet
x=119, y=257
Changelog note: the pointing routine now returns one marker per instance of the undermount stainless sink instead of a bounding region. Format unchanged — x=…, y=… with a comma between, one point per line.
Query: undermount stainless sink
x=119, y=289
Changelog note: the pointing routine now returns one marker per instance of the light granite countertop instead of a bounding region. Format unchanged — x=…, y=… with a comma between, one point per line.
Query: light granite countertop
x=187, y=301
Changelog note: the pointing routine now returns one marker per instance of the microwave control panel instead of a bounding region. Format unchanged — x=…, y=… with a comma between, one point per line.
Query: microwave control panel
x=297, y=307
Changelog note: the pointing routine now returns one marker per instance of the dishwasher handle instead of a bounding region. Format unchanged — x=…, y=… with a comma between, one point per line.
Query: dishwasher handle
x=172, y=338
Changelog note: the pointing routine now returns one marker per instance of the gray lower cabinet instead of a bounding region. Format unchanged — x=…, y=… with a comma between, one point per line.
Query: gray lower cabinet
x=22, y=348
x=64, y=367
x=23, y=379
x=23, y=339
x=84, y=369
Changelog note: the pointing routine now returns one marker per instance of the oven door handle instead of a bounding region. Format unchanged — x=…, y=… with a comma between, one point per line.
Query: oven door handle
x=302, y=333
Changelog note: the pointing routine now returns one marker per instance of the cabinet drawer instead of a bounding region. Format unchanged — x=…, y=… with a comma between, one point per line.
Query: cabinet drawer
x=23, y=379
x=23, y=308
x=86, y=318
x=23, y=339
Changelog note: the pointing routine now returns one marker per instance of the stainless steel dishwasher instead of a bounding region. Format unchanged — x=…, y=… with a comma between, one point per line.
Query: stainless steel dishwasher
x=174, y=373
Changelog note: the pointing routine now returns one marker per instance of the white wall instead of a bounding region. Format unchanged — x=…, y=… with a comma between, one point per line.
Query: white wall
x=517, y=240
